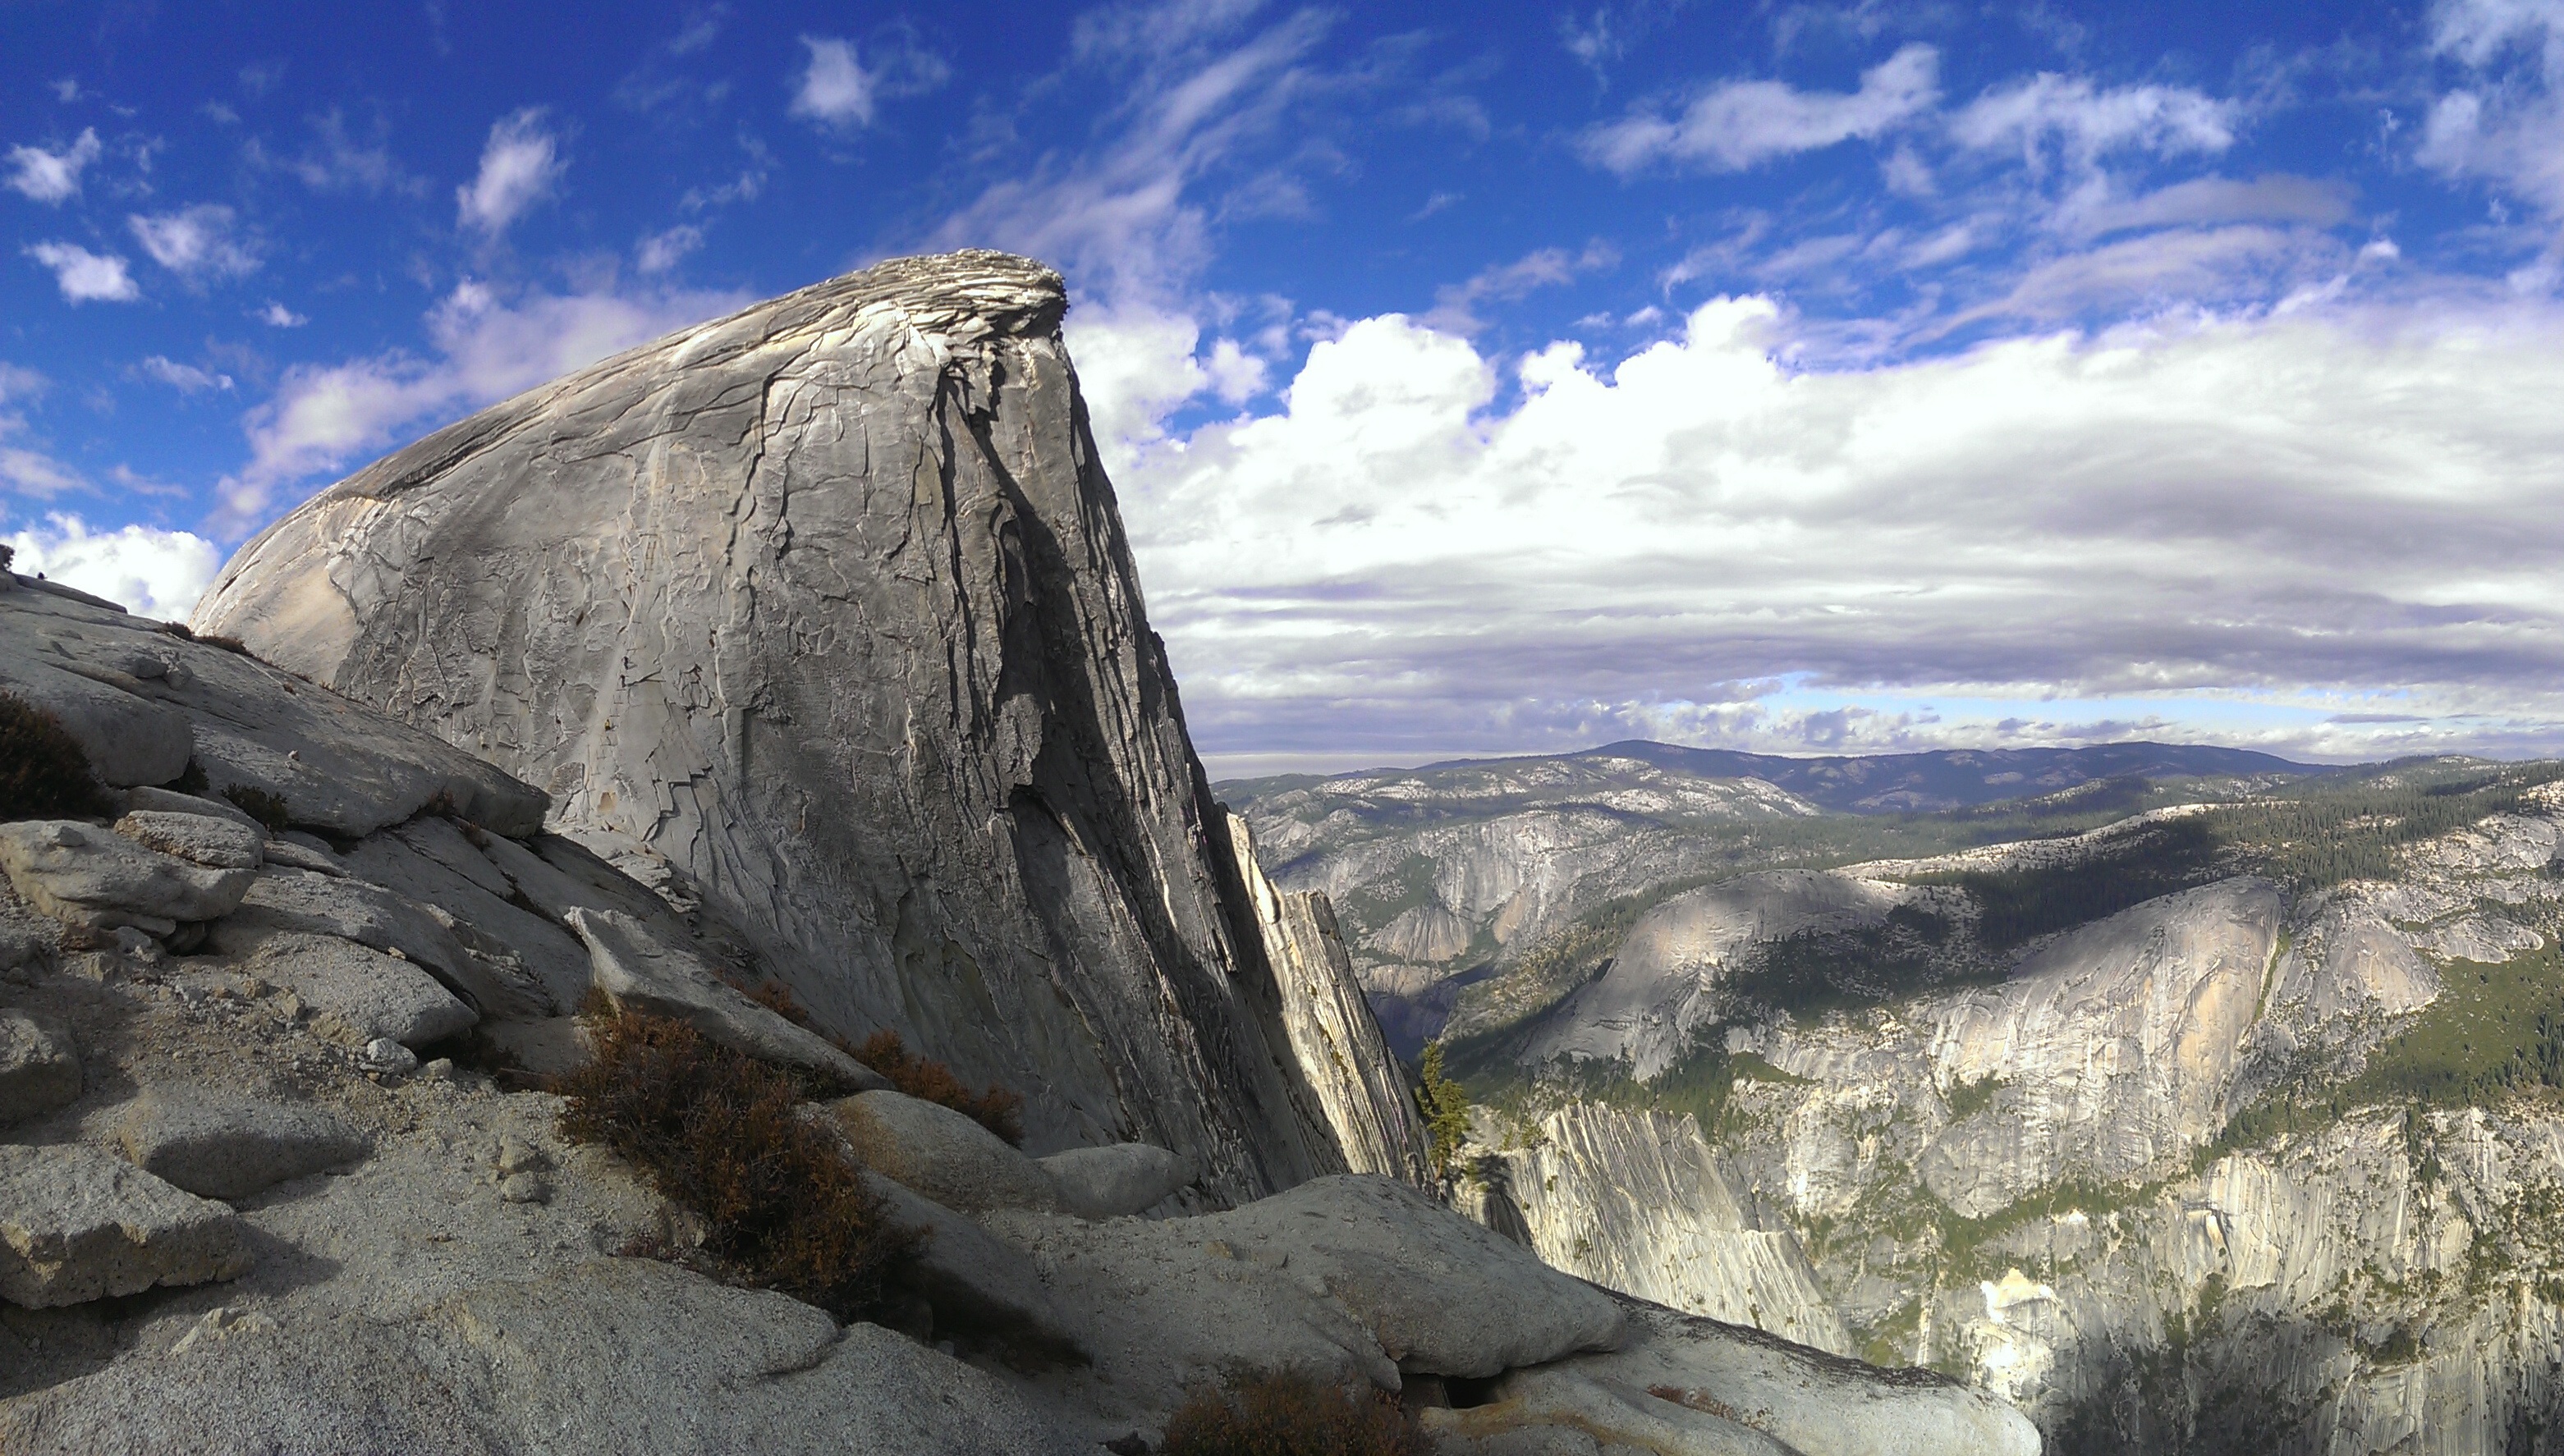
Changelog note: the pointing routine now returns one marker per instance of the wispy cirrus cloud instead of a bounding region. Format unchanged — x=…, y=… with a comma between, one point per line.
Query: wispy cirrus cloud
x=199, y=243
x=1739, y=125
x=487, y=348
x=2083, y=122
x=521, y=165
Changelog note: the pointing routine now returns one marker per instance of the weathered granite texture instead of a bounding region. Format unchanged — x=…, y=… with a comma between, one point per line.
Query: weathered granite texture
x=828, y=603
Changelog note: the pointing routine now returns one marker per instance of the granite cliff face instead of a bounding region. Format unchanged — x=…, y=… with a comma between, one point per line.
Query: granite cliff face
x=2265, y=1163
x=823, y=613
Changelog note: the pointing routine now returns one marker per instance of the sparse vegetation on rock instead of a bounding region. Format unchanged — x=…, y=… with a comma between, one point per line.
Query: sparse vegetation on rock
x=722, y=1135
x=994, y=1108
x=43, y=774
x=1446, y=1110
x=1290, y=1415
x=267, y=808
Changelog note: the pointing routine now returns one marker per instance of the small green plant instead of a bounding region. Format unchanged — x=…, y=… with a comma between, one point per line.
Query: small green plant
x=722, y=1135
x=43, y=772
x=267, y=808
x=1446, y=1105
x=1290, y=1415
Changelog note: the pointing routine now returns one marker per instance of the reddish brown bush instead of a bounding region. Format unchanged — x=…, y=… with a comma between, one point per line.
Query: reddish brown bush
x=995, y=1109
x=1290, y=1415
x=721, y=1134
x=43, y=772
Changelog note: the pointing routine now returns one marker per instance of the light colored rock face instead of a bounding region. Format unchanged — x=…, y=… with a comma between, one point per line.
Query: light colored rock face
x=142, y=703
x=93, y=877
x=640, y=973
x=356, y=994
x=1110, y=1183
x=829, y=604
x=1343, y=1057
x=1634, y=1202
x=39, y=1070
x=208, y=840
x=1667, y=981
x=977, y=1287
x=941, y=1153
x=224, y=1145
x=1441, y=1295
x=1810, y=1401
x=76, y=1224
x=2119, y=1045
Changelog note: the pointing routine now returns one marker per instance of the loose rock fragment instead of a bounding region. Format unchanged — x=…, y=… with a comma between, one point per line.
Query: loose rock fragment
x=941, y=1153
x=1121, y=1179
x=93, y=877
x=79, y=1224
x=640, y=973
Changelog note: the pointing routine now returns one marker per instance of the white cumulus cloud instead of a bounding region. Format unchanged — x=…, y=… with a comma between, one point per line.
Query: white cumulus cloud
x=1739, y=124
x=86, y=276
x=520, y=164
x=196, y=242
x=1409, y=558
x=158, y=573
x=52, y=176
x=837, y=90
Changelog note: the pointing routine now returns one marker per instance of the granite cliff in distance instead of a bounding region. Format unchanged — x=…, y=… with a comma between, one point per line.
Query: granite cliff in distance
x=823, y=613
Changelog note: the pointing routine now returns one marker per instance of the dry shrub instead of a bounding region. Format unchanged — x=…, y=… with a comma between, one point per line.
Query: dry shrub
x=43, y=772
x=720, y=1135
x=995, y=1109
x=1290, y=1415
x=267, y=808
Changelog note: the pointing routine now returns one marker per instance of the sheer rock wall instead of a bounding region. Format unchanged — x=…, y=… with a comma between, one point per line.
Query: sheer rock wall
x=829, y=605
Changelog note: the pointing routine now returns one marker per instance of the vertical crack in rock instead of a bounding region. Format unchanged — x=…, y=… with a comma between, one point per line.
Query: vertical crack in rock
x=829, y=603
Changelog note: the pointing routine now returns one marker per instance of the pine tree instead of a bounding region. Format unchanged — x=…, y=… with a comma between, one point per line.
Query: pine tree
x=1446, y=1111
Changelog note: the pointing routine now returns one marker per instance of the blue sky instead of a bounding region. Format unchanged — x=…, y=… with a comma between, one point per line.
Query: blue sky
x=1476, y=378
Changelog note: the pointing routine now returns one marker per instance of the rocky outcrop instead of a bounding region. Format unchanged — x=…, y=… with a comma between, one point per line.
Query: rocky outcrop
x=1634, y=1202
x=1326, y=1022
x=75, y=1224
x=828, y=604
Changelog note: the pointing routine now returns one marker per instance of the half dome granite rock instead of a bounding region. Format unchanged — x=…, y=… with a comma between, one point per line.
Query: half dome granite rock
x=828, y=603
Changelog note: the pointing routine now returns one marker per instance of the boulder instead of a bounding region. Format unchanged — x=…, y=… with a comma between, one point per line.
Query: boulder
x=978, y=1287
x=222, y=1145
x=79, y=1224
x=129, y=738
x=357, y=996
x=170, y=801
x=325, y=905
x=1609, y=1412
x=39, y=1071
x=941, y=1153
x=640, y=973
x=1817, y=1403
x=602, y=1359
x=1443, y=1295
x=94, y=877
x=204, y=839
x=1120, y=1178
x=630, y=1354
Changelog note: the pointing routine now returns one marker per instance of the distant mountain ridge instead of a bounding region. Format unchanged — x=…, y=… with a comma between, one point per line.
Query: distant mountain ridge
x=1940, y=778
